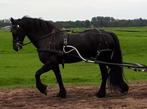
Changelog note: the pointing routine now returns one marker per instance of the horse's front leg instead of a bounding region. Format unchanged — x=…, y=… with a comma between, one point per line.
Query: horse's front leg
x=40, y=86
x=62, y=92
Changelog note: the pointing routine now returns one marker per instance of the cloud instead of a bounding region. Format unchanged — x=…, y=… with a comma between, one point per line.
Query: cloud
x=73, y=9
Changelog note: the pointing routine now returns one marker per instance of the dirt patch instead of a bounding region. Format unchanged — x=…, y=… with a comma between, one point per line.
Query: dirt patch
x=81, y=97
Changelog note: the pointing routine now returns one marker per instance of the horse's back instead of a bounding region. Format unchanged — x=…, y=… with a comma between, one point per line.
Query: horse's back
x=90, y=41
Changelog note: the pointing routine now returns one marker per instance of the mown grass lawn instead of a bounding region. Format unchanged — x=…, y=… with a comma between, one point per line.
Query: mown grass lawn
x=18, y=69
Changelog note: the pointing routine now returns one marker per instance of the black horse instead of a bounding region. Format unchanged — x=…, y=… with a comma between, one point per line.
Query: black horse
x=49, y=41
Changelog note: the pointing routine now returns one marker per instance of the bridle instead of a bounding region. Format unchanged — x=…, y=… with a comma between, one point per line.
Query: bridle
x=20, y=43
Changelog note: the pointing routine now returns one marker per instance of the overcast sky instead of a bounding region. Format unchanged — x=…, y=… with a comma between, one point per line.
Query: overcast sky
x=62, y=10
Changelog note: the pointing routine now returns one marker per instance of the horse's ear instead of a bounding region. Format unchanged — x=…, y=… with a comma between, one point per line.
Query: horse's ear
x=12, y=21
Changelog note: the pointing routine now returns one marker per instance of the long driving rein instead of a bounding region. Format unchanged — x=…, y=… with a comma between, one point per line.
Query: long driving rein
x=134, y=66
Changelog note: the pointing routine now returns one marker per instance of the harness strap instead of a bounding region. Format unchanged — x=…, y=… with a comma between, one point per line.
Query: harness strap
x=100, y=51
x=43, y=37
x=51, y=51
x=65, y=40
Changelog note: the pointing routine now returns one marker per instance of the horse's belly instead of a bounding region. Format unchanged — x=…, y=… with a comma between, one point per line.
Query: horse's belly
x=72, y=59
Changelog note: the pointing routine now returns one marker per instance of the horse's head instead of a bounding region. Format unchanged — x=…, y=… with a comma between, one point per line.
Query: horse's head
x=18, y=34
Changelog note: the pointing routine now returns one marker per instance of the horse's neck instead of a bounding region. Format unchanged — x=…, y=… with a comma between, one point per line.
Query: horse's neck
x=35, y=38
x=40, y=39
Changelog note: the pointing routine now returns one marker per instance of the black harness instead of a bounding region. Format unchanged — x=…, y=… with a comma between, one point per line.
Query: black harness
x=134, y=66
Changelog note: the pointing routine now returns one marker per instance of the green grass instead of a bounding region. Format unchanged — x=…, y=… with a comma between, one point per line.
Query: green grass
x=18, y=69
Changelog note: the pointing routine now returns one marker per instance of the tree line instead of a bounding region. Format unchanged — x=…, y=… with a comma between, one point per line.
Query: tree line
x=97, y=22
x=4, y=22
x=100, y=21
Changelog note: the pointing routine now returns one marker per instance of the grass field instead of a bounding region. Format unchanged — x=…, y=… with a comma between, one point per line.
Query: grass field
x=18, y=69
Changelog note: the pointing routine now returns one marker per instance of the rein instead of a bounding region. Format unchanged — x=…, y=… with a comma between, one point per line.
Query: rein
x=133, y=66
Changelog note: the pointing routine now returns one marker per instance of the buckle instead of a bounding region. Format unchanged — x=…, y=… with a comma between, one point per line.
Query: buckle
x=65, y=40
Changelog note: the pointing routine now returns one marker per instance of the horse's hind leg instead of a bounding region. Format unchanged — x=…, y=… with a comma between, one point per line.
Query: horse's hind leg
x=62, y=92
x=104, y=72
x=40, y=86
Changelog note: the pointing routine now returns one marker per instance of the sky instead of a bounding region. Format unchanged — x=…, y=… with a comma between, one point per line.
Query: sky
x=64, y=10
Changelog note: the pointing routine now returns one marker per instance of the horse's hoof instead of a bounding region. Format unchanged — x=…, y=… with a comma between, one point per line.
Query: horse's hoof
x=45, y=92
x=125, y=93
x=124, y=88
x=61, y=94
x=100, y=95
x=43, y=89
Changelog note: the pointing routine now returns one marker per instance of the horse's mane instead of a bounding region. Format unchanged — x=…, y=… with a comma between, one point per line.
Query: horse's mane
x=37, y=24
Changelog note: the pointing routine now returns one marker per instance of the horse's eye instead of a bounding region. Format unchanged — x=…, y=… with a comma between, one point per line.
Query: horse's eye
x=18, y=26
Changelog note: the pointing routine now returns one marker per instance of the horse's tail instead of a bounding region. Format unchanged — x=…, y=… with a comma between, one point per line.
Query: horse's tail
x=116, y=72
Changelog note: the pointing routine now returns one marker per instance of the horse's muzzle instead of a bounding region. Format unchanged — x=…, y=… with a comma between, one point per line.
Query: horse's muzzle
x=17, y=46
